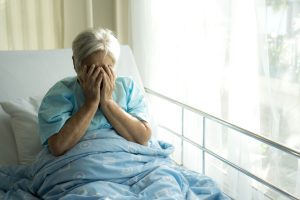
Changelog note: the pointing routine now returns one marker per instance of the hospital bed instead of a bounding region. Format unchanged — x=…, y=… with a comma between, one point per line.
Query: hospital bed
x=27, y=75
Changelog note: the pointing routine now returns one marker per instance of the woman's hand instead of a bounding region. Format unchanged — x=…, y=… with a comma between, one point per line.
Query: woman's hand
x=108, y=84
x=90, y=79
x=126, y=125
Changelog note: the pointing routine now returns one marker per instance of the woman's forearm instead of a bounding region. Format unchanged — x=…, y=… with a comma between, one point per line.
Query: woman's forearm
x=73, y=130
x=125, y=124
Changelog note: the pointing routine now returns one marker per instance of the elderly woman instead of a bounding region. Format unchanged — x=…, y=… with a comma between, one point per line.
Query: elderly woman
x=95, y=99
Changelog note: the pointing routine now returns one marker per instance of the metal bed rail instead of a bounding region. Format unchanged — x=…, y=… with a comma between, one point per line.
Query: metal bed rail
x=204, y=149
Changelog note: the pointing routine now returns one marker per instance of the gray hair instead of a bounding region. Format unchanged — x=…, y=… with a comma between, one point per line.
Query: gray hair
x=91, y=40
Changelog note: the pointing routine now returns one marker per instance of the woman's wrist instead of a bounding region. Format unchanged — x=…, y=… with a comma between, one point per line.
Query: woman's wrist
x=89, y=105
x=105, y=104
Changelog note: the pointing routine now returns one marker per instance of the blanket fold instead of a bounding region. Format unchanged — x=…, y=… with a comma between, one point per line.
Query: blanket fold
x=104, y=165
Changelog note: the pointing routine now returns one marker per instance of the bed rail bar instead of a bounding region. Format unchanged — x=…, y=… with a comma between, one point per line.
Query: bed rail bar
x=234, y=127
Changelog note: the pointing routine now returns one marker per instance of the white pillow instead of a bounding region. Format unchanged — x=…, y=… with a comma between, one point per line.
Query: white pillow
x=8, y=147
x=24, y=121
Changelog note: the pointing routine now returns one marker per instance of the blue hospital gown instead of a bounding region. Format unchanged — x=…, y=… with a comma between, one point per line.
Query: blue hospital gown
x=66, y=97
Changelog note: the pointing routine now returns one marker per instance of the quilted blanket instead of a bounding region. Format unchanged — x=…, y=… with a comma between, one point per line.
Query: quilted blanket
x=104, y=165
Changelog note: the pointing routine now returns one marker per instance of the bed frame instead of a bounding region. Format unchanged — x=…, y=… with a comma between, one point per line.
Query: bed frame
x=206, y=150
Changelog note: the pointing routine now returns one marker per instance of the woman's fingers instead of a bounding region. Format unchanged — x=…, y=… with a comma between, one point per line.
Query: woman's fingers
x=91, y=70
x=112, y=73
x=90, y=83
x=99, y=78
x=93, y=73
x=104, y=78
x=81, y=74
x=96, y=72
x=84, y=69
x=108, y=72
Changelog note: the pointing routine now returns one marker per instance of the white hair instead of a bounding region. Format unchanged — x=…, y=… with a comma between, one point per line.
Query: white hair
x=91, y=40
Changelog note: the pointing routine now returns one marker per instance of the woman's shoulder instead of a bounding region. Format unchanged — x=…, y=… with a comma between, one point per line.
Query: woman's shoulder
x=68, y=81
x=65, y=85
x=124, y=81
x=124, y=85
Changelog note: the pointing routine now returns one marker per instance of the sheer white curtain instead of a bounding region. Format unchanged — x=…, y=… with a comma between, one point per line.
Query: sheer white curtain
x=30, y=24
x=46, y=24
x=224, y=58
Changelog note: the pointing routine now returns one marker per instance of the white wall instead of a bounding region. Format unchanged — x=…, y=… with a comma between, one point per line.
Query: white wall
x=104, y=14
x=111, y=14
x=75, y=19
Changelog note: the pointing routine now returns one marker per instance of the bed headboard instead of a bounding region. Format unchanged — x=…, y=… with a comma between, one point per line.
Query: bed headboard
x=32, y=73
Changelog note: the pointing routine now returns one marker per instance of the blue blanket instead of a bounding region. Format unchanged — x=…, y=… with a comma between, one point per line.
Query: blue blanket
x=103, y=165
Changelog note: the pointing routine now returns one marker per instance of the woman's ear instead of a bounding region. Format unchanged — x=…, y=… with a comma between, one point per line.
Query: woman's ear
x=74, y=64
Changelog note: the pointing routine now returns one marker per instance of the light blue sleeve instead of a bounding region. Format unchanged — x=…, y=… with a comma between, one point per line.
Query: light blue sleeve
x=136, y=102
x=56, y=108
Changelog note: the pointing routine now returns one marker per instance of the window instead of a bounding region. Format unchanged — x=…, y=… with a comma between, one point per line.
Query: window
x=237, y=60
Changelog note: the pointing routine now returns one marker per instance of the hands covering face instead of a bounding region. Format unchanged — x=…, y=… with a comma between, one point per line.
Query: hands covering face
x=107, y=88
x=97, y=83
